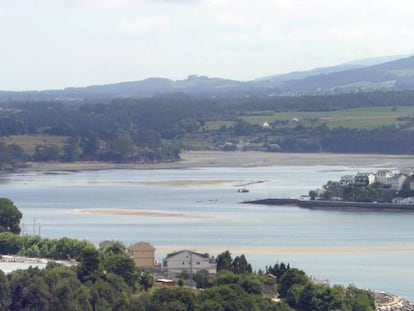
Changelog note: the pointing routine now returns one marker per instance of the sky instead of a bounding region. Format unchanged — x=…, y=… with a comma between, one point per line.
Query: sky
x=52, y=44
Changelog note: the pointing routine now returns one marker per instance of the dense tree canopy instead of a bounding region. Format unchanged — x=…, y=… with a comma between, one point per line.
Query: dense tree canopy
x=9, y=216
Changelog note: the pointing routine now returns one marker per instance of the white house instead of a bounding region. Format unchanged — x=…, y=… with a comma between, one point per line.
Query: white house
x=396, y=182
x=403, y=201
x=189, y=261
x=382, y=175
x=408, y=201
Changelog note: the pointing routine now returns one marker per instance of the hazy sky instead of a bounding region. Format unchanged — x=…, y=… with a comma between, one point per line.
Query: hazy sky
x=53, y=44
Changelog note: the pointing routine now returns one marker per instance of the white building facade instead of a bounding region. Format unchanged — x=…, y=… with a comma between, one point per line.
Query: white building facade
x=382, y=176
x=189, y=261
x=396, y=182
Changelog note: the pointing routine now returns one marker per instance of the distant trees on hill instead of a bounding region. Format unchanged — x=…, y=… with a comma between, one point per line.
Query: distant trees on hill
x=156, y=129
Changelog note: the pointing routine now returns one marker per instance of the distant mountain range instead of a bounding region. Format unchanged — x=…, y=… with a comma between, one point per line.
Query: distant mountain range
x=361, y=63
x=389, y=73
x=394, y=75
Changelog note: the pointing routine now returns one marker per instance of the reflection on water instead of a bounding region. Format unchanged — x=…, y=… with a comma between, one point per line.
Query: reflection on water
x=199, y=209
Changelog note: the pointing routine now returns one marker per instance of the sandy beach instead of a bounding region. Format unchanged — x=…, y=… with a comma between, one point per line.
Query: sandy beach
x=197, y=159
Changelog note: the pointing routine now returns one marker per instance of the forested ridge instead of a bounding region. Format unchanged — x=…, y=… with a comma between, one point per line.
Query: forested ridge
x=156, y=129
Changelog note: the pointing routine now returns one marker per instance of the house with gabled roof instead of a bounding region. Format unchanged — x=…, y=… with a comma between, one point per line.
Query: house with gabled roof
x=396, y=182
x=382, y=175
x=364, y=179
x=188, y=261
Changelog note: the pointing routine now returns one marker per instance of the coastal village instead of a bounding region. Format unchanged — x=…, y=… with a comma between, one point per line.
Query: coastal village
x=383, y=186
x=186, y=264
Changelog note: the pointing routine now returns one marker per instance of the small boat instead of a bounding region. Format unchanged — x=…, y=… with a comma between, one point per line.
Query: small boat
x=242, y=190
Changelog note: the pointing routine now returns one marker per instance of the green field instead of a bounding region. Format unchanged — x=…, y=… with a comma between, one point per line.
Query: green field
x=29, y=142
x=370, y=117
x=409, y=72
x=215, y=125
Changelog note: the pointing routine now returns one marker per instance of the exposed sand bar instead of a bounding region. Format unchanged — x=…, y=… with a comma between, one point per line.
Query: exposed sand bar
x=197, y=159
x=291, y=250
x=145, y=213
x=207, y=182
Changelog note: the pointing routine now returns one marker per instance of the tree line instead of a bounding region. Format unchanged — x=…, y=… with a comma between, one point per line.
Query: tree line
x=107, y=279
x=155, y=129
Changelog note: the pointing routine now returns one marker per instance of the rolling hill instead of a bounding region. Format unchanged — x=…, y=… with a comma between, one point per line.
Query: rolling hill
x=365, y=75
x=394, y=75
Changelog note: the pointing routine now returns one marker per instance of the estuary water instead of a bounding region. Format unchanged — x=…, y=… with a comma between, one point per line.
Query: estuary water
x=199, y=209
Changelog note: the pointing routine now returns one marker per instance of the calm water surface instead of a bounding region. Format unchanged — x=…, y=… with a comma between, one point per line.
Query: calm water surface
x=373, y=250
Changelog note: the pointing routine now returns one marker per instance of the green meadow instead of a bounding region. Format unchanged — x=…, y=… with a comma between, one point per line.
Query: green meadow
x=370, y=117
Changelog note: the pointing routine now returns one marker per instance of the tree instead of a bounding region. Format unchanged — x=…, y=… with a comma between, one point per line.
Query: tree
x=9, y=216
x=290, y=278
x=122, y=265
x=240, y=265
x=47, y=153
x=201, y=279
x=146, y=280
x=4, y=292
x=224, y=261
x=174, y=299
x=29, y=290
x=312, y=194
x=278, y=269
x=359, y=300
x=251, y=284
x=89, y=264
x=63, y=286
x=10, y=243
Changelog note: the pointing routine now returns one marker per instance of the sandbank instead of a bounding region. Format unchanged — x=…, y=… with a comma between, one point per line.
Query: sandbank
x=200, y=159
x=291, y=250
x=132, y=212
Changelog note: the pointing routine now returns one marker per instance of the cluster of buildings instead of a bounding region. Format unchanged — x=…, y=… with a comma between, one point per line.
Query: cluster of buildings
x=392, y=187
x=386, y=178
x=173, y=264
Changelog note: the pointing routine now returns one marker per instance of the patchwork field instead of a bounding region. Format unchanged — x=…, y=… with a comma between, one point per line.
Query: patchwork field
x=369, y=117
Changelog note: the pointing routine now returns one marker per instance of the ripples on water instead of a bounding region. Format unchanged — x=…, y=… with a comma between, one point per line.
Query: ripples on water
x=199, y=209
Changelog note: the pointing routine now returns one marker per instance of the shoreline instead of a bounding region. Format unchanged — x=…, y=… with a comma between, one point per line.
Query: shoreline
x=204, y=159
x=336, y=205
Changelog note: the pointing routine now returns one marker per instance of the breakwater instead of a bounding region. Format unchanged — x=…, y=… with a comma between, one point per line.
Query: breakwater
x=335, y=205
